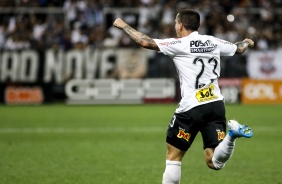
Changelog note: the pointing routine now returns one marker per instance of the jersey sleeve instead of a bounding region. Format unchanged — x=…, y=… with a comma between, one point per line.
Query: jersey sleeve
x=226, y=48
x=169, y=46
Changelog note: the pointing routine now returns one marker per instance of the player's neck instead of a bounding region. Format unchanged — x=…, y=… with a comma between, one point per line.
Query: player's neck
x=185, y=33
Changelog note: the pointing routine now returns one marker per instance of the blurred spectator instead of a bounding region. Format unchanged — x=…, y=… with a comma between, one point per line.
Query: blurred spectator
x=71, y=11
x=77, y=34
x=83, y=23
x=38, y=29
x=152, y=15
x=15, y=42
x=2, y=36
x=109, y=41
x=168, y=13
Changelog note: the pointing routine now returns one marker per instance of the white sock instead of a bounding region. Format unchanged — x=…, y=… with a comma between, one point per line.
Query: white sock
x=172, y=173
x=223, y=152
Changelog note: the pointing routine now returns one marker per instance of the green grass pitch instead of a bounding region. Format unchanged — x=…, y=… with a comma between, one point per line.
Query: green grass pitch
x=125, y=144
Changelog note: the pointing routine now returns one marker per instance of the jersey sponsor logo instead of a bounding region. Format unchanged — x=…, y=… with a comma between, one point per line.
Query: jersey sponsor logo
x=206, y=94
x=220, y=135
x=183, y=135
x=170, y=43
x=197, y=46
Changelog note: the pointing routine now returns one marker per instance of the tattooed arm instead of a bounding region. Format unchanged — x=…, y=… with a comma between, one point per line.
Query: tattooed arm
x=242, y=46
x=141, y=39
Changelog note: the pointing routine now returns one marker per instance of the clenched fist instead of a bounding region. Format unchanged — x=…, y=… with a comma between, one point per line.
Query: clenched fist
x=119, y=23
x=251, y=42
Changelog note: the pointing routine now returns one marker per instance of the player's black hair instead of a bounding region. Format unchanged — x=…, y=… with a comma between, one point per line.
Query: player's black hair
x=189, y=18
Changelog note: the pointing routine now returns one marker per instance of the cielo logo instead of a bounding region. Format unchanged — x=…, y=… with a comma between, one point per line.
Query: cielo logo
x=260, y=91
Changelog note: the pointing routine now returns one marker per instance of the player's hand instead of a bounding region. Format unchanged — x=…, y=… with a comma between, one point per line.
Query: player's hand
x=119, y=23
x=251, y=42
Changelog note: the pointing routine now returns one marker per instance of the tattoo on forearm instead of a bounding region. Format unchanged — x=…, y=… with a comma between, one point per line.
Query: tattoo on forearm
x=140, y=38
x=241, y=47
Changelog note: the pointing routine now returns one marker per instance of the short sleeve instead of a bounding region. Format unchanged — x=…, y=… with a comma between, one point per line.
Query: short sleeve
x=226, y=48
x=170, y=46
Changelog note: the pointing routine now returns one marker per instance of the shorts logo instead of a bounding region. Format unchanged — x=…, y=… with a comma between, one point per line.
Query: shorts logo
x=220, y=135
x=184, y=135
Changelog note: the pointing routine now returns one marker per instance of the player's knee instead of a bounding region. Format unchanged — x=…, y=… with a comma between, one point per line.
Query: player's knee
x=174, y=153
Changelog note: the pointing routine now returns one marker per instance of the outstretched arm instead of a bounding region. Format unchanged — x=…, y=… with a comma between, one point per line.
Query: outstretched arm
x=243, y=45
x=141, y=39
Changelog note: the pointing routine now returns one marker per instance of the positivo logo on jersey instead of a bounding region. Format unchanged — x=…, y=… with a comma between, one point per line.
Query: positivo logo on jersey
x=197, y=46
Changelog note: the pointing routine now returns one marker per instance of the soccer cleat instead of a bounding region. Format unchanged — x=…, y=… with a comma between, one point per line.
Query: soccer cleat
x=237, y=130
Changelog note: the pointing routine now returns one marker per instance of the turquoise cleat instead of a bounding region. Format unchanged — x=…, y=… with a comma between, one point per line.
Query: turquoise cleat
x=237, y=130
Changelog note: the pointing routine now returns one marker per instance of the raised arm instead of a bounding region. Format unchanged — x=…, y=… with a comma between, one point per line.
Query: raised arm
x=141, y=39
x=243, y=45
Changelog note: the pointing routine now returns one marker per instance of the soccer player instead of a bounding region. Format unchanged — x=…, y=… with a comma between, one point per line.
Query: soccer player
x=201, y=109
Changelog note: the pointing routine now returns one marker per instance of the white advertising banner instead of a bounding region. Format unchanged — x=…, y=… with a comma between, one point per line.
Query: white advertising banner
x=265, y=64
x=123, y=91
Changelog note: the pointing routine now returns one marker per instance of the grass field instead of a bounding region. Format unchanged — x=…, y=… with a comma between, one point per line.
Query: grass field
x=58, y=144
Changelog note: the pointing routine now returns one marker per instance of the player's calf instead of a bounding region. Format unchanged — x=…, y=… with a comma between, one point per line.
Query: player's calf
x=208, y=153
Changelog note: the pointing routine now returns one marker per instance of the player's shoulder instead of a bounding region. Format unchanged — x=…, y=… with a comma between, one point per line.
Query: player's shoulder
x=216, y=40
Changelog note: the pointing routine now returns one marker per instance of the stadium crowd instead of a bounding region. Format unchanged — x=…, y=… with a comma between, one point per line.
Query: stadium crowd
x=87, y=23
